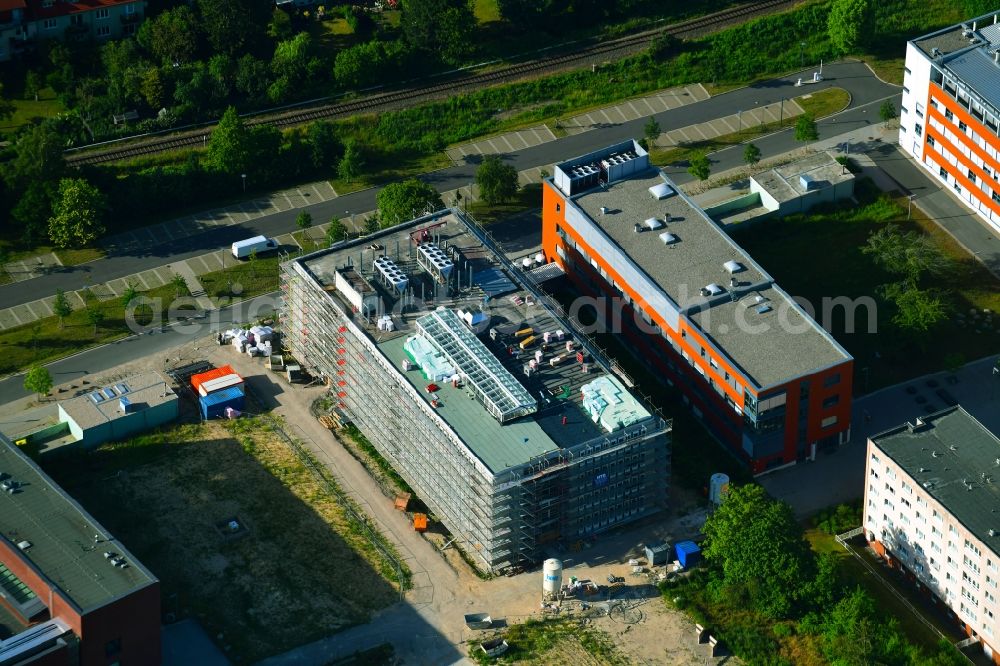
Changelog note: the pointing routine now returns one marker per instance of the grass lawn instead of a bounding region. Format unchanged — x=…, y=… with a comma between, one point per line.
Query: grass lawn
x=15, y=250
x=486, y=11
x=44, y=340
x=245, y=280
x=299, y=571
x=310, y=240
x=825, y=102
x=900, y=20
x=27, y=109
x=819, y=256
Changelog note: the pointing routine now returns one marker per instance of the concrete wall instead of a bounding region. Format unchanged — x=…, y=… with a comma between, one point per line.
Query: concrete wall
x=124, y=426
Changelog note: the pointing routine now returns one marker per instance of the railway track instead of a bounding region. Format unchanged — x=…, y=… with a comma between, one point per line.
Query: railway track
x=401, y=97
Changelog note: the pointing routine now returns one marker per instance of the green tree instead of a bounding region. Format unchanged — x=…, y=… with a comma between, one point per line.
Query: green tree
x=180, y=286
x=229, y=147
x=303, y=221
x=699, y=166
x=751, y=154
x=61, y=307
x=497, y=181
x=441, y=29
x=402, y=201
x=77, y=214
x=234, y=26
x=172, y=36
x=291, y=58
x=323, y=144
x=336, y=232
x=251, y=77
x=130, y=294
x=94, y=317
x=351, y=162
x=652, y=130
x=280, y=26
x=32, y=85
x=910, y=254
x=7, y=107
x=38, y=380
x=38, y=157
x=34, y=209
x=805, y=128
x=887, y=111
x=371, y=224
x=365, y=64
x=850, y=23
x=759, y=547
x=523, y=14
x=152, y=89
x=917, y=310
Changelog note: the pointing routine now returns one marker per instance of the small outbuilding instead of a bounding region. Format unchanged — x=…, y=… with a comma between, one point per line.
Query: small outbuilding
x=135, y=404
x=214, y=405
x=800, y=185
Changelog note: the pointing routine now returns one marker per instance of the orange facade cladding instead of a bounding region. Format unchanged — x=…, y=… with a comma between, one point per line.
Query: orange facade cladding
x=691, y=339
x=938, y=95
x=134, y=619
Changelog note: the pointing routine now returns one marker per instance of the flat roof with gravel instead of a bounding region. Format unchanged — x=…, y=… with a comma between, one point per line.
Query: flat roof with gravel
x=60, y=540
x=142, y=390
x=954, y=459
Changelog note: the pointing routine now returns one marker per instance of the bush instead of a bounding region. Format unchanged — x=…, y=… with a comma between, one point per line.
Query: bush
x=838, y=519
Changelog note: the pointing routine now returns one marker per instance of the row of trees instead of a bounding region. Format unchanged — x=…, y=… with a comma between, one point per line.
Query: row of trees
x=759, y=562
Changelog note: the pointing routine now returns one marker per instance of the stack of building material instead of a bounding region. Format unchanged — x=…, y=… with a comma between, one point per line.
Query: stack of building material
x=609, y=404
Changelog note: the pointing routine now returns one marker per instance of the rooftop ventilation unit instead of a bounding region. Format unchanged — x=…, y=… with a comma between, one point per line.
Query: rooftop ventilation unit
x=652, y=224
x=661, y=191
x=391, y=273
x=668, y=238
x=733, y=267
x=25, y=545
x=711, y=290
x=604, y=210
x=992, y=532
x=764, y=309
x=433, y=260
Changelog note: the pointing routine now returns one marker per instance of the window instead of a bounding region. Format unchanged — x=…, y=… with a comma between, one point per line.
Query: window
x=903, y=110
x=558, y=208
x=972, y=175
x=934, y=103
x=832, y=380
x=828, y=421
x=962, y=126
x=130, y=9
x=942, y=173
x=49, y=24
x=831, y=401
x=918, y=129
x=948, y=114
x=971, y=546
x=102, y=13
x=930, y=141
x=103, y=30
x=995, y=195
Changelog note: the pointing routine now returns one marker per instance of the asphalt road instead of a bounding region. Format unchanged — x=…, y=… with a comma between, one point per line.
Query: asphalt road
x=99, y=359
x=855, y=77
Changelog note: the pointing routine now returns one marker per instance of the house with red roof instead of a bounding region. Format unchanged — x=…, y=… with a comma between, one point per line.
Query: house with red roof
x=23, y=22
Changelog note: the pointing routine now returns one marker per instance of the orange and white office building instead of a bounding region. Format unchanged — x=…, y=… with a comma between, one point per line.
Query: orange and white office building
x=749, y=361
x=950, y=114
x=932, y=510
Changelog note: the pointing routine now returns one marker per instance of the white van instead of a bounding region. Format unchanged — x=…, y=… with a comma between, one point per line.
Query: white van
x=259, y=244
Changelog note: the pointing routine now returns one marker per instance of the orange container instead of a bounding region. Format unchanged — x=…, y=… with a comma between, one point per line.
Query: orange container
x=420, y=522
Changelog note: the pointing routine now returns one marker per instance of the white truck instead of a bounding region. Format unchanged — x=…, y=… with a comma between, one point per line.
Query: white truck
x=259, y=244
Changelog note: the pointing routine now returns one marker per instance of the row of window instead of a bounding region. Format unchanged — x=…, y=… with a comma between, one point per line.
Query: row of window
x=962, y=146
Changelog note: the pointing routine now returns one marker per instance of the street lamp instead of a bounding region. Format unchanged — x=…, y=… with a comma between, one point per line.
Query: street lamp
x=244, y=176
x=802, y=62
x=739, y=121
x=909, y=205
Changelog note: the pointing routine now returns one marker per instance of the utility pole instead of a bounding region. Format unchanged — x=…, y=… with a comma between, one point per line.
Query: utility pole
x=909, y=205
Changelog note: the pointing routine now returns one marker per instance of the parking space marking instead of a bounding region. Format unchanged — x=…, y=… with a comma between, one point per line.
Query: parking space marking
x=17, y=317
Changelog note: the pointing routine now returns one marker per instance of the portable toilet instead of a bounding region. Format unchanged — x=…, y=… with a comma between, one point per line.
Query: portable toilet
x=688, y=553
x=657, y=553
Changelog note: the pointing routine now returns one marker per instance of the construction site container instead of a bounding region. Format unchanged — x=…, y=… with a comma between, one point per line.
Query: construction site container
x=688, y=553
x=215, y=373
x=657, y=553
x=224, y=382
x=420, y=522
x=213, y=405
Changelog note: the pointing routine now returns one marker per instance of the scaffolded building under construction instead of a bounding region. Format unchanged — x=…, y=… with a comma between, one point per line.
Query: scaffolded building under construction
x=508, y=423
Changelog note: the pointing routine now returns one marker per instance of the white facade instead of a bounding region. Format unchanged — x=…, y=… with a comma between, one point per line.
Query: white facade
x=926, y=539
x=912, y=112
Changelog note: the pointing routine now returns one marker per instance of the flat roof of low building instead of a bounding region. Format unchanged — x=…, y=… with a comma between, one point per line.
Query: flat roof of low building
x=954, y=458
x=67, y=546
x=784, y=182
x=557, y=387
x=142, y=390
x=700, y=256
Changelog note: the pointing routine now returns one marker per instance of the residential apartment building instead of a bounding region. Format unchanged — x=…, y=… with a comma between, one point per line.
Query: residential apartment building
x=932, y=508
x=506, y=423
x=70, y=593
x=23, y=22
x=749, y=361
x=950, y=115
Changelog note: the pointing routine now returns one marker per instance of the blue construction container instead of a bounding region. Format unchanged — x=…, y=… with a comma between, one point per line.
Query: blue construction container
x=688, y=553
x=213, y=405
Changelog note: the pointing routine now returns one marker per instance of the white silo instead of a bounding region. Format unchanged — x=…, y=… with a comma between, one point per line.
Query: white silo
x=718, y=486
x=552, y=576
